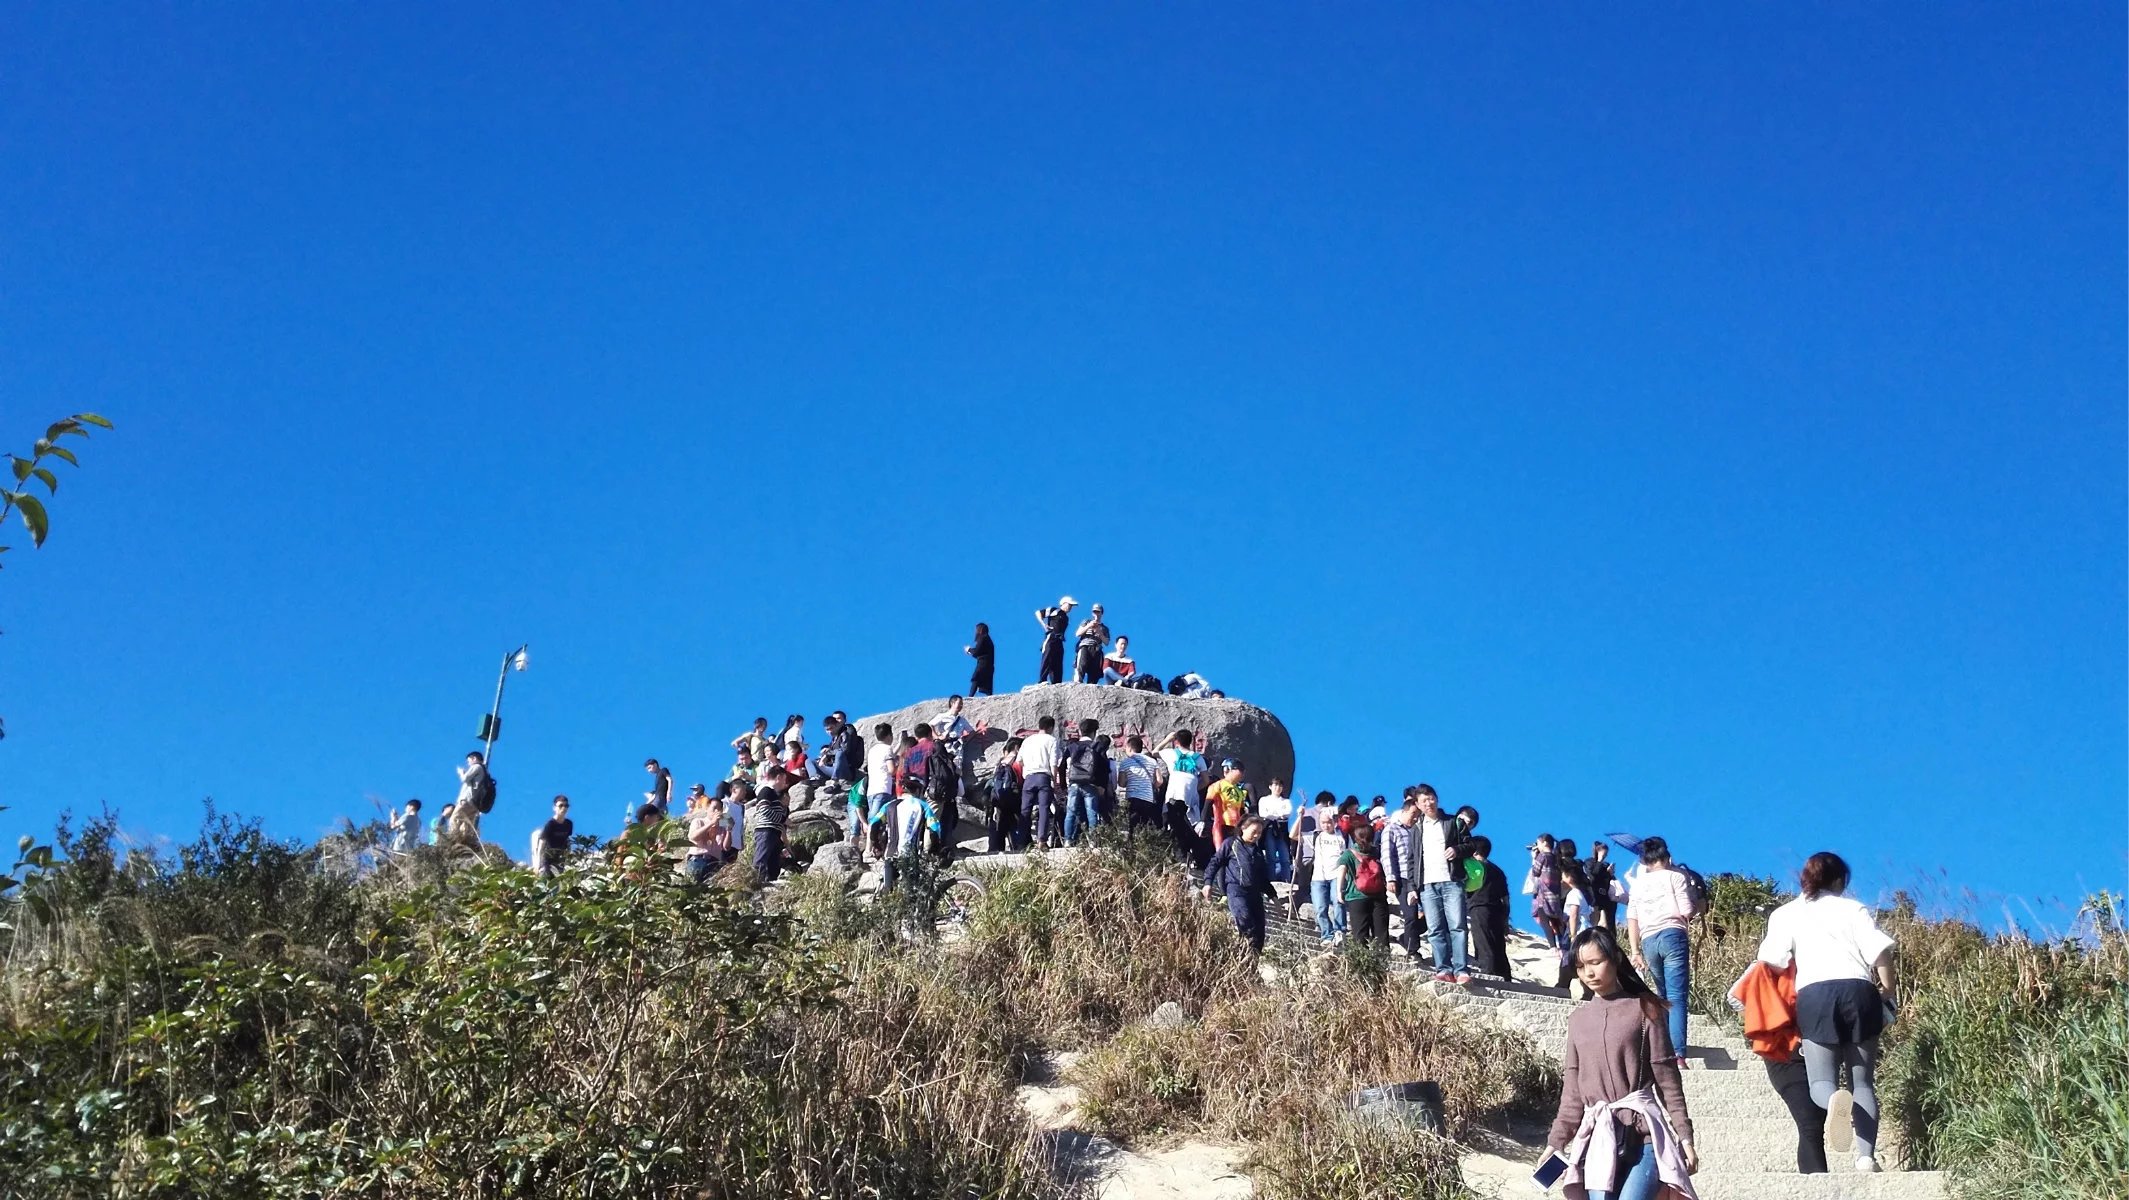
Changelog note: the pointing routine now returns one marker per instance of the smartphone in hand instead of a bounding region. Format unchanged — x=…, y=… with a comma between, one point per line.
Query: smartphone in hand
x=1549, y=1170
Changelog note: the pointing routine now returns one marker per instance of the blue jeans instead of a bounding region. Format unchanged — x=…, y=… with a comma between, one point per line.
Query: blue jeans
x=1669, y=975
x=1278, y=854
x=855, y=825
x=1330, y=915
x=1076, y=795
x=1444, y=905
x=1640, y=1180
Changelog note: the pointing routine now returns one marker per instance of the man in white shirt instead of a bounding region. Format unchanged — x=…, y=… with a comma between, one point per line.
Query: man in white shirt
x=1441, y=891
x=879, y=788
x=1038, y=791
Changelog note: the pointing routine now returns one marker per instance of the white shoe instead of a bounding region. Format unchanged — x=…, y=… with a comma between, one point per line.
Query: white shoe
x=1397, y=951
x=1866, y=1164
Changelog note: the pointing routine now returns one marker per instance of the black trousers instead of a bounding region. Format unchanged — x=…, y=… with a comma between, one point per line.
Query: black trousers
x=1005, y=827
x=1052, y=663
x=1304, y=871
x=1087, y=666
x=979, y=684
x=1145, y=814
x=949, y=814
x=768, y=854
x=1489, y=940
x=1248, y=911
x=1369, y=920
x=1038, y=809
x=1795, y=1090
x=1415, y=920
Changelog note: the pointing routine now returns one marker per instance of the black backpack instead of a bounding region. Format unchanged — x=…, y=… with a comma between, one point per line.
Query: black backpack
x=1083, y=762
x=484, y=794
x=1005, y=787
x=942, y=783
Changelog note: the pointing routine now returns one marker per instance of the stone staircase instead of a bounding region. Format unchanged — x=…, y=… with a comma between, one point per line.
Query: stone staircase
x=1746, y=1140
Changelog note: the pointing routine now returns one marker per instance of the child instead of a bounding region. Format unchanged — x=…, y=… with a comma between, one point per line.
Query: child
x=441, y=826
x=1228, y=802
x=912, y=815
x=1239, y=869
x=1487, y=909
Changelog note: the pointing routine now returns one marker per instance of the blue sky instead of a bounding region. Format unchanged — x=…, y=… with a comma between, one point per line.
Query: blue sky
x=1706, y=420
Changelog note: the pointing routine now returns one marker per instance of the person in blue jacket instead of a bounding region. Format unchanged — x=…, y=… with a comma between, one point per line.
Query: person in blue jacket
x=1241, y=870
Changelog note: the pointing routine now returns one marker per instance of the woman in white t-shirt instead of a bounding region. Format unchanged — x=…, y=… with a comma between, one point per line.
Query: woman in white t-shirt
x=1277, y=809
x=1844, y=988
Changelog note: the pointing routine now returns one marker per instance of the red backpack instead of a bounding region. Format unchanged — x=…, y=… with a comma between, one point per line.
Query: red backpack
x=1367, y=877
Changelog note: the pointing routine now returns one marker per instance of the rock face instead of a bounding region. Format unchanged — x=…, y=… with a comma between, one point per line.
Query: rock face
x=1233, y=728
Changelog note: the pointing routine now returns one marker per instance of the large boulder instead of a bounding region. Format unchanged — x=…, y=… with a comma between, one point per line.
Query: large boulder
x=1232, y=728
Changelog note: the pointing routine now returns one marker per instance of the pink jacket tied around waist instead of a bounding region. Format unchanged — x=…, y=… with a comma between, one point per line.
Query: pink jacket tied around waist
x=1596, y=1143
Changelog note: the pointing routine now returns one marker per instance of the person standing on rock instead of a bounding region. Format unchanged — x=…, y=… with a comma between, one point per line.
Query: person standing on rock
x=1053, y=622
x=476, y=795
x=1326, y=887
x=766, y=817
x=1239, y=870
x=660, y=793
x=1439, y=844
x=1038, y=772
x=1278, y=812
x=1622, y=1123
x=879, y=789
x=985, y=652
x=1092, y=641
x=958, y=734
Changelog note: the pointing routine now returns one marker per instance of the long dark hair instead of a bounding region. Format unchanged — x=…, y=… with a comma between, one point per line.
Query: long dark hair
x=1653, y=1006
x=983, y=632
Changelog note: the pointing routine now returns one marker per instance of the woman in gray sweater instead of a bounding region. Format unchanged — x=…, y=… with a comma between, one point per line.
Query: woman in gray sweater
x=1622, y=1125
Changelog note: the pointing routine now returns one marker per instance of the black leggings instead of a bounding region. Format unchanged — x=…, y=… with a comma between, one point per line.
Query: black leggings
x=1794, y=1086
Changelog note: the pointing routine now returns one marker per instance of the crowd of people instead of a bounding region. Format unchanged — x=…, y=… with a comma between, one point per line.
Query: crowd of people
x=1814, y=1004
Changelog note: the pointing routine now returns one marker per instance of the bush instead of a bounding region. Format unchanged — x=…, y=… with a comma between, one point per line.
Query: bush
x=598, y=1033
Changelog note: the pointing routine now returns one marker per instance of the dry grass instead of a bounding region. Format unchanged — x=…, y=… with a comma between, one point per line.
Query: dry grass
x=1257, y=1056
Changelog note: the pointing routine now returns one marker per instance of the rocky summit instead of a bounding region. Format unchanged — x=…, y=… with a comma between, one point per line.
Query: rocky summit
x=1232, y=728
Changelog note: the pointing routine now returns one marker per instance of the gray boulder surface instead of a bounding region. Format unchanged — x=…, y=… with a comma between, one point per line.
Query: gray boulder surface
x=1232, y=727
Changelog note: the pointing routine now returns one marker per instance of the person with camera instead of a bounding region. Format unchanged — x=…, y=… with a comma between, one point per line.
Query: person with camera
x=1093, y=641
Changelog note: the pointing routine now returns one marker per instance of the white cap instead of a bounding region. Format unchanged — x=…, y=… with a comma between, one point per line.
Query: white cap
x=1067, y=602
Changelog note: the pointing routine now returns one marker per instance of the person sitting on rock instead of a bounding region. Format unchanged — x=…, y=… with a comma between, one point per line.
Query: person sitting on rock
x=755, y=741
x=1240, y=871
x=1093, y=640
x=1118, y=665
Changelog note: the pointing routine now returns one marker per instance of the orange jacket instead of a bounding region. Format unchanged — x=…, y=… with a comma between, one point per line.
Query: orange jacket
x=1769, y=999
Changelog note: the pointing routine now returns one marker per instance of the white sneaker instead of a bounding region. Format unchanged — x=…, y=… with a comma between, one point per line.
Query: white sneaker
x=1397, y=951
x=1866, y=1164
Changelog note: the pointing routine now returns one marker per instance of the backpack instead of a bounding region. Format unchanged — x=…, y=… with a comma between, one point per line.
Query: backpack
x=1005, y=787
x=1083, y=762
x=942, y=783
x=1696, y=889
x=484, y=794
x=1367, y=877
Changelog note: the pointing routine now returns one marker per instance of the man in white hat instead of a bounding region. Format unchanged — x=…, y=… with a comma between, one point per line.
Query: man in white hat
x=1053, y=622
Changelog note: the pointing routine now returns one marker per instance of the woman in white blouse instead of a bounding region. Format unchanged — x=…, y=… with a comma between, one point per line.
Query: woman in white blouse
x=1844, y=988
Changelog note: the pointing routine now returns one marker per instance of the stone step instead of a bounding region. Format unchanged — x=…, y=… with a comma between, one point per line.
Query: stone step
x=1761, y=1143
x=1718, y=1184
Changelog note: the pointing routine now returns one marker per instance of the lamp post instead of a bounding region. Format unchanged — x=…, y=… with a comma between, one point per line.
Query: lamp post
x=492, y=724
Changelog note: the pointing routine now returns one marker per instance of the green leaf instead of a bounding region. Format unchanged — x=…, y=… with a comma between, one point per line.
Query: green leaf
x=51, y=481
x=43, y=447
x=22, y=467
x=63, y=452
x=92, y=419
x=33, y=517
